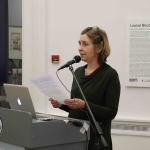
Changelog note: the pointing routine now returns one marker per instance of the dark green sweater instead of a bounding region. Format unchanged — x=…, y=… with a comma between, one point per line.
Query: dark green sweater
x=102, y=91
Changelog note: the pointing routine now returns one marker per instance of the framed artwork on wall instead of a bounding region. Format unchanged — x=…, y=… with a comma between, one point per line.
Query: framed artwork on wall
x=15, y=43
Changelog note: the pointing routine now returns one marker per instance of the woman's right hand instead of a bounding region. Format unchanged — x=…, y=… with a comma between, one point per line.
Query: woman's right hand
x=54, y=103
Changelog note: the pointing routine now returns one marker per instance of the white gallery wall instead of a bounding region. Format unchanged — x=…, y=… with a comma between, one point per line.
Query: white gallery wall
x=54, y=26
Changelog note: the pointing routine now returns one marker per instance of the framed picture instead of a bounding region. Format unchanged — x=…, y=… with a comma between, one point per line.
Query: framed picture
x=15, y=43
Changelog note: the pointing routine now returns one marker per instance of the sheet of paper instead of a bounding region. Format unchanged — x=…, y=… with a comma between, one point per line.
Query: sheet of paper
x=49, y=87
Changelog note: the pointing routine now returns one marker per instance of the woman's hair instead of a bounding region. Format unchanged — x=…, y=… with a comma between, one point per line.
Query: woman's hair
x=99, y=39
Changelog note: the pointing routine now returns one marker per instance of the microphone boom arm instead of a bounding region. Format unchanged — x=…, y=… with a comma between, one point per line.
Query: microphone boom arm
x=97, y=126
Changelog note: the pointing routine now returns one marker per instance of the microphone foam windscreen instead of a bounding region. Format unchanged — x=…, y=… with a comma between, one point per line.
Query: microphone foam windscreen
x=77, y=58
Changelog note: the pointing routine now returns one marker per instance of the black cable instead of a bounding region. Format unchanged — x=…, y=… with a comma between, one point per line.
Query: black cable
x=96, y=136
x=74, y=100
x=94, y=121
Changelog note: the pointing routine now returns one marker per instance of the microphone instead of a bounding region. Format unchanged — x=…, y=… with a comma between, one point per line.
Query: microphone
x=76, y=59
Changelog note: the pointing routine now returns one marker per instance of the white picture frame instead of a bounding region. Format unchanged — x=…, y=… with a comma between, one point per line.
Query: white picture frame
x=15, y=43
x=137, y=57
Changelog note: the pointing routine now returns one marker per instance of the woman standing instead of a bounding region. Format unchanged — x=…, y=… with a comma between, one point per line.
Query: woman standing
x=99, y=83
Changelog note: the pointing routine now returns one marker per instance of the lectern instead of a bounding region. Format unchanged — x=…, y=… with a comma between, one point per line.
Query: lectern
x=18, y=131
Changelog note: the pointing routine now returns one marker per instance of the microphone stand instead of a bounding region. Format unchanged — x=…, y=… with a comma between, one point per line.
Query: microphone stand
x=98, y=128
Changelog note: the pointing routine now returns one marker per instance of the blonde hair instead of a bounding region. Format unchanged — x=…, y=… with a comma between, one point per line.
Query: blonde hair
x=99, y=39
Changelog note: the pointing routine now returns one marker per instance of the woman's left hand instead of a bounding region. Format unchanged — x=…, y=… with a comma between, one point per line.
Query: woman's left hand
x=75, y=103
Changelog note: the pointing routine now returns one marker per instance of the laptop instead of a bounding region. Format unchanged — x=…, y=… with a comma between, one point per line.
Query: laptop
x=19, y=98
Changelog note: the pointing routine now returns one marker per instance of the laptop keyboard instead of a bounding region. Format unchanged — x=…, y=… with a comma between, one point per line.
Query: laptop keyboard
x=44, y=117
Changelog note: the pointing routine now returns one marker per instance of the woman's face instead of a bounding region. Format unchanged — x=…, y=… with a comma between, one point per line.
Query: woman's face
x=86, y=49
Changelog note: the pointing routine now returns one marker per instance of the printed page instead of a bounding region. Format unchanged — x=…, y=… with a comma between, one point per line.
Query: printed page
x=49, y=87
x=138, y=53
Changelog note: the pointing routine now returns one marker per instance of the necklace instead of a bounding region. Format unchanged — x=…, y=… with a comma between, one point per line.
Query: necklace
x=86, y=73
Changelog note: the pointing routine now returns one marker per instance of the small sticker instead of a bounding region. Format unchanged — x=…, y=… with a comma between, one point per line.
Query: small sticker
x=82, y=130
x=85, y=126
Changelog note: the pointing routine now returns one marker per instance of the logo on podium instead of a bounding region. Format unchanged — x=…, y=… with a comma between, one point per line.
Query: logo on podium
x=1, y=126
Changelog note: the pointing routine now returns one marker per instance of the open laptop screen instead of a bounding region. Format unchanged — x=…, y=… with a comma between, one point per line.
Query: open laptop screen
x=19, y=98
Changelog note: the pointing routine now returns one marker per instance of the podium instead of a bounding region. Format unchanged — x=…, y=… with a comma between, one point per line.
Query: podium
x=18, y=131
